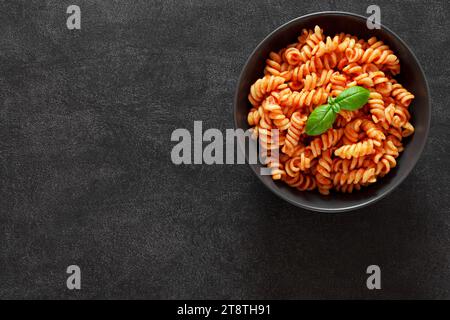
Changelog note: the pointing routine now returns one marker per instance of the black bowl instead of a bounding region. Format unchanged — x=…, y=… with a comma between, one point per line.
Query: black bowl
x=411, y=77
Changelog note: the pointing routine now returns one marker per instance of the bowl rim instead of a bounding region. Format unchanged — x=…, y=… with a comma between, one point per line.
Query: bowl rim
x=392, y=185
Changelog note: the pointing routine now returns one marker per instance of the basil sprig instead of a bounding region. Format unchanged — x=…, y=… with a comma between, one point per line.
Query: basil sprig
x=320, y=120
x=323, y=117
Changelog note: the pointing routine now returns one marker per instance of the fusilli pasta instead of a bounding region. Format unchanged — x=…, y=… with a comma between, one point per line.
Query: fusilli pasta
x=363, y=144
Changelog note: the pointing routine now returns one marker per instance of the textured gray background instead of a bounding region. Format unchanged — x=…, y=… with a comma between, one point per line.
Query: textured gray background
x=86, y=177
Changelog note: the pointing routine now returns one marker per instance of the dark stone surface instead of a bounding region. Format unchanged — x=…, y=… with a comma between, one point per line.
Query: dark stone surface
x=86, y=177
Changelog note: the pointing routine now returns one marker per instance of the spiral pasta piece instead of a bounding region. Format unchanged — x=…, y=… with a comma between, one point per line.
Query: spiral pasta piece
x=347, y=41
x=262, y=87
x=269, y=140
x=275, y=113
x=253, y=117
x=296, y=164
x=403, y=96
x=317, y=80
x=401, y=117
x=273, y=64
x=408, y=129
x=388, y=117
x=357, y=176
x=325, y=141
x=376, y=105
x=390, y=148
x=384, y=165
x=312, y=44
x=345, y=116
x=305, y=99
x=365, y=80
x=323, y=173
x=352, y=131
x=384, y=54
x=372, y=130
x=296, y=127
x=348, y=188
x=293, y=56
x=277, y=170
x=359, y=149
x=302, y=182
x=346, y=165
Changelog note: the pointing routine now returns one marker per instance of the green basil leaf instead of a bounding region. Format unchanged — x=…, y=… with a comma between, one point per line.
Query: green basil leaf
x=352, y=98
x=336, y=107
x=330, y=100
x=320, y=120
